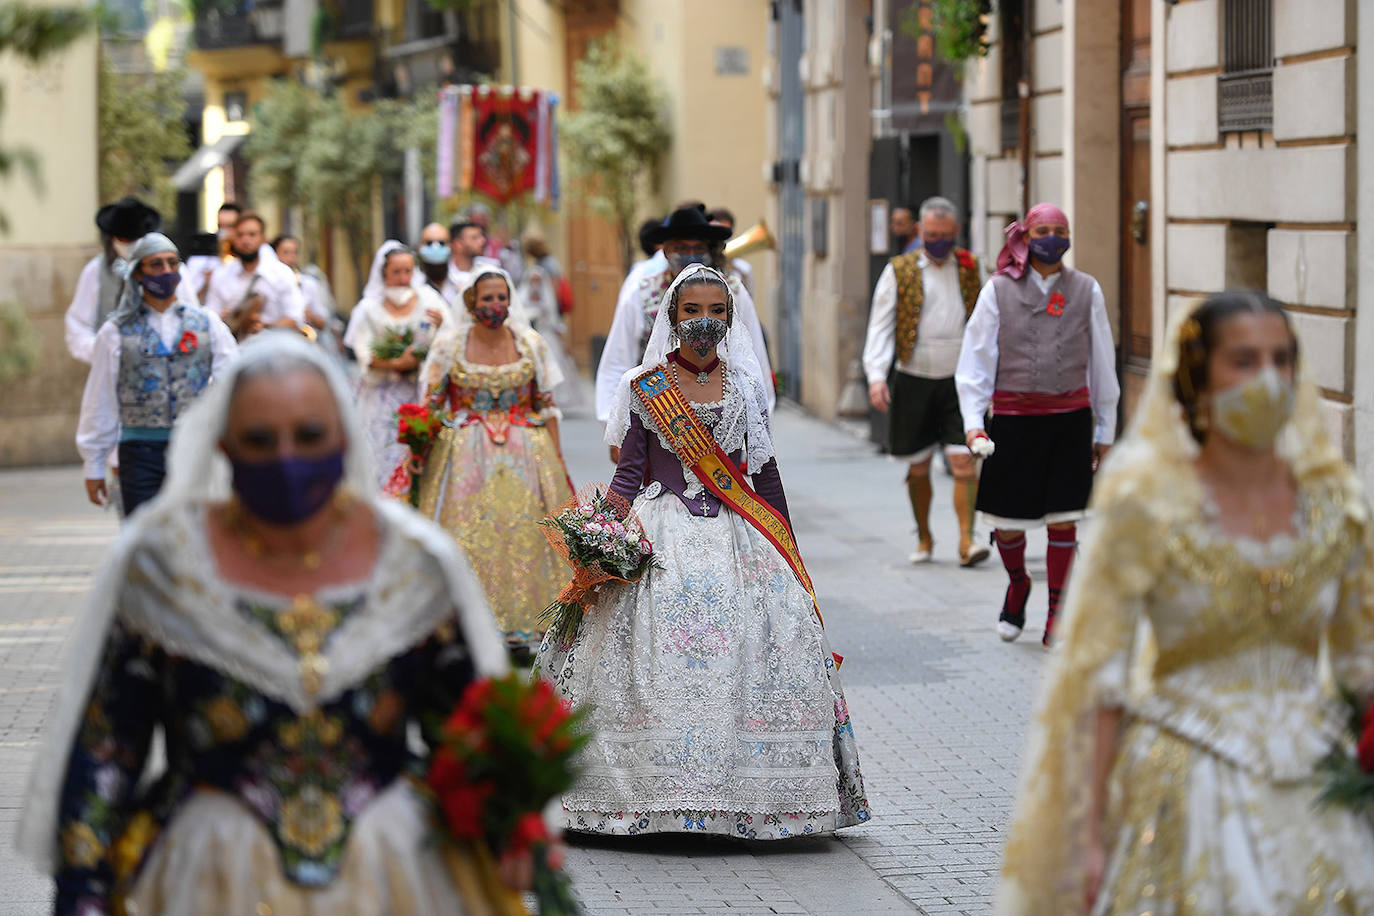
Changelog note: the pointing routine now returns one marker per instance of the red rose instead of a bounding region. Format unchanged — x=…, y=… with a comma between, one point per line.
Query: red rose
x=463, y=806
x=529, y=830
x=1366, y=745
x=413, y=410
x=445, y=771
x=188, y=342
x=1056, y=306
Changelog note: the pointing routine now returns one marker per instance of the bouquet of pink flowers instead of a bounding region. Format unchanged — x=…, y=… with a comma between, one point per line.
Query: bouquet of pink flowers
x=602, y=540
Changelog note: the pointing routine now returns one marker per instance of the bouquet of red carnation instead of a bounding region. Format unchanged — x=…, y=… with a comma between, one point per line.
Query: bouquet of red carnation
x=507, y=750
x=417, y=427
x=1350, y=777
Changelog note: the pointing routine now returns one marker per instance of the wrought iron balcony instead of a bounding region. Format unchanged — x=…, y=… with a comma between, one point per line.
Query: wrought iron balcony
x=235, y=23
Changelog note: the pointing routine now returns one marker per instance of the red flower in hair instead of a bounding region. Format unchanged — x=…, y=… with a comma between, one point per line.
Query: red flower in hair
x=188, y=342
x=1056, y=306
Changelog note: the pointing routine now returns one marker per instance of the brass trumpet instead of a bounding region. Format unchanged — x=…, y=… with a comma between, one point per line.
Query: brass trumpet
x=755, y=238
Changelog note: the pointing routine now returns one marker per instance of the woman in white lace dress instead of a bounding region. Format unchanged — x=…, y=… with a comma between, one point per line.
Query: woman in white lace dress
x=713, y=692
x=392, y=303
x=1226, y=590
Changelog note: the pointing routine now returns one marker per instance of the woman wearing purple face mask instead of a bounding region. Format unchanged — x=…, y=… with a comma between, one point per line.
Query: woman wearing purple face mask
x=152, y=358
x=286, y=629
x=496, y=470
x=1038, y=352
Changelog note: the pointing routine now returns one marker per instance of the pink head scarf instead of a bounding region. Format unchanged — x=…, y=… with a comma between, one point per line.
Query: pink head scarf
x=1015, y=254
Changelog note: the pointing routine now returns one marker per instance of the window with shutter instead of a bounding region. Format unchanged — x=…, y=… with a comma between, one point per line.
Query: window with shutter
x=1246, y=84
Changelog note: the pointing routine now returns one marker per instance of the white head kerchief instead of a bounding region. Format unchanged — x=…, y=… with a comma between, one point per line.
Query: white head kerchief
x=375, y=287
x=196, y=617
x=736, y=352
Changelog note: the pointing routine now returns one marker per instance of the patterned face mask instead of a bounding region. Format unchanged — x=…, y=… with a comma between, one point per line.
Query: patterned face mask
x=493, y=316
x=701, y=335
x=1253, y=413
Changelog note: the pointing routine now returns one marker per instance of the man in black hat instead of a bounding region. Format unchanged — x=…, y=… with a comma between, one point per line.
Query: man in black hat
x=686, y=236
x=121, y=224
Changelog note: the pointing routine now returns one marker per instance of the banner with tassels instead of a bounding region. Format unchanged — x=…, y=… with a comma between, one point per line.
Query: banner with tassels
x=500, y=142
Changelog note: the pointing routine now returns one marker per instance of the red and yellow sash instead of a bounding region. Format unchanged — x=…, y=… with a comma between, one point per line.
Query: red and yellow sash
x=699, y=450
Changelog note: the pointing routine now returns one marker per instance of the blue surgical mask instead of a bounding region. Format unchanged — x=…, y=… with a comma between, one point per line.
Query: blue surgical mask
x=680, y=262
x=434, y=253
x=938, y=249
x=287, y=491
x=1048, y=249
x=161, y=286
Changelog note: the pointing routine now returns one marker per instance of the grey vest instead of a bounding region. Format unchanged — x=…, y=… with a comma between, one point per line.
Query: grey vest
x=111, y=284
x=156, y=383
x=1036, y=350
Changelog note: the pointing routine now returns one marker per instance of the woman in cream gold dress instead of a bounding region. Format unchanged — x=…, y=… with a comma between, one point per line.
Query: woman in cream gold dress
x=1226, y=591
x=496, y=470
x=282, y=629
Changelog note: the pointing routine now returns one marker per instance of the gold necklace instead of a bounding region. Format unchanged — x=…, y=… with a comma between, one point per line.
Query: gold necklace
x=309, y=559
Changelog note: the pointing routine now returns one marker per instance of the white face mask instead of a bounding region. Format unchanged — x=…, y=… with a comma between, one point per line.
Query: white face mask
x=1252, y=413
x=399, y=295
x=122, y=248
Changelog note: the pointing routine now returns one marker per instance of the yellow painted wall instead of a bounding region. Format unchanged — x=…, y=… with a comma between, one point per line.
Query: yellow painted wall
x=50, y=109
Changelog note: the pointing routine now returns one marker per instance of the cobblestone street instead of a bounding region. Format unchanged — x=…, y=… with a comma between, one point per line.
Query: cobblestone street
x=939, y=704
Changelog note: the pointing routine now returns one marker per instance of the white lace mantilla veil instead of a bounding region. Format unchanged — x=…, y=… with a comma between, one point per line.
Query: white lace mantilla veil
x=736, y=352
x=1147, y=483
x=455, y=334
x=420, y=580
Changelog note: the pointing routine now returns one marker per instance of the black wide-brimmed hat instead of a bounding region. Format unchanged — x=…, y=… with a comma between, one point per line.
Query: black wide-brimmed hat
x=129, y=218
x=688, y=224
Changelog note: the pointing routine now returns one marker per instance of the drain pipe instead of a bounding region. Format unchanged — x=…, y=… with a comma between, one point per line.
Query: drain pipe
x=1023, y=90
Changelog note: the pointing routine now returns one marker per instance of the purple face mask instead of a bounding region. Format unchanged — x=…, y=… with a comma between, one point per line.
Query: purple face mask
x=161, y=286
x=938, y=249
x=1049, y=249
x=287, y=491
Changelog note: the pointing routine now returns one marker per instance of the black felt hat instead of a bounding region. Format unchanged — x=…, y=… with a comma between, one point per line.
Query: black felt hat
x=129, y=218
x=689, y=224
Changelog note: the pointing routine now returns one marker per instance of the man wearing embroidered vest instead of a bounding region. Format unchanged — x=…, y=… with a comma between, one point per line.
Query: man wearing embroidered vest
x=686, y=236
x=121, y=224
x=915, y=329
x=152, y=357
x=1038, y=352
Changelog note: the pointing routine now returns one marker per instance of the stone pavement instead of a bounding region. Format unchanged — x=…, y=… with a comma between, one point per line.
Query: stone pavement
x=939, y=704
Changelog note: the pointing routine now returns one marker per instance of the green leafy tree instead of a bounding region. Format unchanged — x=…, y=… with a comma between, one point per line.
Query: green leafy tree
x=141, y=134
x=282, y=123
x=31, y=32
x=616, y=136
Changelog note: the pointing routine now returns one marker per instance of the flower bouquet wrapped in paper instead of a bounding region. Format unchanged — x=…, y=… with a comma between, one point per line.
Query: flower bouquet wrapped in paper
x=603, y=541
x=506, y=751
x=417, y=426
x=1350, y=776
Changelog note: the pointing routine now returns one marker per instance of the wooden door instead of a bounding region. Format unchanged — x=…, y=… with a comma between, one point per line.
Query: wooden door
x=1136, y=305
x=594, y=266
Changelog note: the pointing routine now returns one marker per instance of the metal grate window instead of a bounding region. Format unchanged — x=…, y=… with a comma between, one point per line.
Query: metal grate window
x=1246, y=84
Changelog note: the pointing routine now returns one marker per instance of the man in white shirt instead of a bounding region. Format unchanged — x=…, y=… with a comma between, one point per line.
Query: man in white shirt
x=915, y=330
x=318, y=308
x=151, y=359
x=686, y=236
x=1038, y=351
x=200, y=267
x=255, y=290
x=468, y=241
x=121, y=224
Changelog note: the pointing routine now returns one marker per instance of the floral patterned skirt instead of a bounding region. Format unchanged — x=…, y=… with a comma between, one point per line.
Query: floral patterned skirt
x=380, y=394
x=491, y=497
x=713, y=693
x=217, y=857
x=1192, y=833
